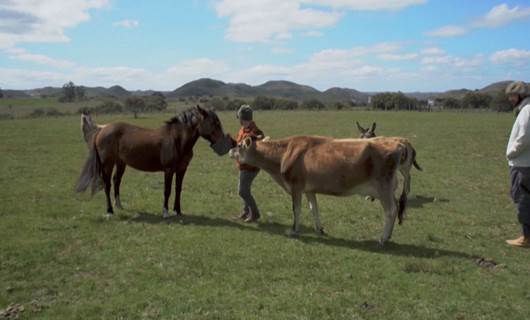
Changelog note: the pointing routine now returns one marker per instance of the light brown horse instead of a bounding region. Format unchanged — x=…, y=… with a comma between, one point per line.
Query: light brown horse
x=408, y=160
x=168, y=149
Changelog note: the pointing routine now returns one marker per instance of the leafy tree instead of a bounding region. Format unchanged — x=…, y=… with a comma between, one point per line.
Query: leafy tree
x=155, y=102
x=72, y=93
x=263, y=103
x=313, y=104
x=68, y=92
x=500, y=102
x=394, y=101
x=1, y=93
x=451, y=103
x=135, y=105
x=476, y=100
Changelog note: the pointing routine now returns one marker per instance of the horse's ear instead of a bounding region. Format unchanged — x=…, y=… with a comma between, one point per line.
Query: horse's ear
x=202, y=111
x=361, y=129
x=247, y=142
x=373, y=127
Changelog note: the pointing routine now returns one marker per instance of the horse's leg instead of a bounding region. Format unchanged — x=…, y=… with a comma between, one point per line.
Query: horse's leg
x=389, y=205
x=168, y=179
x=107, y=174
x=313, y=205
x=179, y=176
x=120, y=169
x=297, y=204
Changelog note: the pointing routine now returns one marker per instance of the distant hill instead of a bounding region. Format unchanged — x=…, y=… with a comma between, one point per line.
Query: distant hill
x=277, y=89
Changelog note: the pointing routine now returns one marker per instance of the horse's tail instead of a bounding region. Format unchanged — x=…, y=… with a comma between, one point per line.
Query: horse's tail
x=414, y=163
x=92, y=171
x=88, y=128
x=402, y=204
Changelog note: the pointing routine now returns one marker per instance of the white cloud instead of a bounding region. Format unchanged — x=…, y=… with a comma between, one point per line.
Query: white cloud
x=366, y=5
x=127, y=24
x=432, y=51
x=198, y=68
x=281, y=50
x=498, y=16
x=23, y=55
x=501, y=15
x=313, y=33
x=261, y=21
x=266, y=20
x=397, y=57
x=38, y=21
x=455, y=62
x=448, y=31
x=512, y=55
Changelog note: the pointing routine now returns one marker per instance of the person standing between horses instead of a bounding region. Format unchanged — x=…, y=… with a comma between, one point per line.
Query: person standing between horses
x=518, y=155
x=247, y=173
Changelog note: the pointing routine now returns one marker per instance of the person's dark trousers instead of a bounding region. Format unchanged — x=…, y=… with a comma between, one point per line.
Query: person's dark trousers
x=520, y=191
x=245, y=184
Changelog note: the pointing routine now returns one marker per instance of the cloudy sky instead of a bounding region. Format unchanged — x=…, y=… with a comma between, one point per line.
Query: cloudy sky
x=369, y=45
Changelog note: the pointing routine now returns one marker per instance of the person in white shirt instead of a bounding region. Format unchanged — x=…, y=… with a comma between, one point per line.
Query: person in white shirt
x=518, y=155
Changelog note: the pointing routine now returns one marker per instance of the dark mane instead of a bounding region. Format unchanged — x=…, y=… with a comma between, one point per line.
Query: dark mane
x=188, y=117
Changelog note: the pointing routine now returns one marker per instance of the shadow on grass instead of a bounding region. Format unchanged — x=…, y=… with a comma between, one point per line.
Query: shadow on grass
x=310, y=238
x=419, y=200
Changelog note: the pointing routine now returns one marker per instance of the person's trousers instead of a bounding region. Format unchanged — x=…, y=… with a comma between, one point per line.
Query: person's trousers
x=520, y=192
x=244, y=188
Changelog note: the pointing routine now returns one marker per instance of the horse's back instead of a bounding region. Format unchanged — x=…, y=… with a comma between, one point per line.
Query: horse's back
x=133, y=145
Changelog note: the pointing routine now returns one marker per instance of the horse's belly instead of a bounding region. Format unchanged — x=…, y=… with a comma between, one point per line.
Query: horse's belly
x=364, y=189
x=144, y=164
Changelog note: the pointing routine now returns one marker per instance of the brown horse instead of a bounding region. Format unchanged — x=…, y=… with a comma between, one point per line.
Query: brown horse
x=168, y=149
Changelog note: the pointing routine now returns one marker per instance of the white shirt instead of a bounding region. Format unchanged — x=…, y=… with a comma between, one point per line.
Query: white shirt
x=518, y=149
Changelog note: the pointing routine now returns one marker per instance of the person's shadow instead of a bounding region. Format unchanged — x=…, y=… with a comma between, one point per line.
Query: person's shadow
x=307, y=235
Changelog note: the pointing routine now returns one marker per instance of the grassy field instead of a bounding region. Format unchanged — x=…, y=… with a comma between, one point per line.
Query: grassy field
x=60, y=259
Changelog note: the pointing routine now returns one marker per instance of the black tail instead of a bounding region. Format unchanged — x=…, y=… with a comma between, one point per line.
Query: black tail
x=402, y=205
x=414, y=163
x=91, y=173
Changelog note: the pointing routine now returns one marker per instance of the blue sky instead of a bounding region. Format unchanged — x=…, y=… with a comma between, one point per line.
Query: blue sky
x=369, y=45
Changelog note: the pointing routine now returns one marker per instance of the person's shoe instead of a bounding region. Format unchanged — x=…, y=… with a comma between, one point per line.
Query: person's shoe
x=520, y=242
x=252, y=218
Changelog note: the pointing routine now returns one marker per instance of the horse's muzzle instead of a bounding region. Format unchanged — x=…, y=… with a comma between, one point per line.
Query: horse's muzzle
x=222, y=146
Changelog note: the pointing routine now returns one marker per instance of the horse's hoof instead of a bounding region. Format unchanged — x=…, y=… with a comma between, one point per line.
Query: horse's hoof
x=321, y=232
x=165, y=214
x=177, y=214
x=108, y=216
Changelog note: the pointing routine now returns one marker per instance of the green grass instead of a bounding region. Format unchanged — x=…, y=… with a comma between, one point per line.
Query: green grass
x=61, y=260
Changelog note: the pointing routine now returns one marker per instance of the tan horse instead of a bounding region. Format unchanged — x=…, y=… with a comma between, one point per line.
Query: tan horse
x=339, y=167
x=168, y=149
x=408, y=160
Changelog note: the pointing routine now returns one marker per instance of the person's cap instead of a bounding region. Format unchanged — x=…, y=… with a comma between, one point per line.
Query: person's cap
x=517, y=87
x=245, y=112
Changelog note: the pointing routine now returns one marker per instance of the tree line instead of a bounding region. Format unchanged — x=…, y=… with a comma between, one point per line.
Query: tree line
x=471, y=100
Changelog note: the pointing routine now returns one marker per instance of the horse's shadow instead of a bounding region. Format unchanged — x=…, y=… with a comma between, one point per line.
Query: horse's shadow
x=419, y=201
x=307, y=235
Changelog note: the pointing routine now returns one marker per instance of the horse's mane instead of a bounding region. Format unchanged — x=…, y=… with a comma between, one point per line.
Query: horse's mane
x=188, y=117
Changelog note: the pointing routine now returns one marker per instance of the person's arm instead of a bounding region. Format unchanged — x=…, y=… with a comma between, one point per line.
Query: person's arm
x=258, y=134
x=521, y=141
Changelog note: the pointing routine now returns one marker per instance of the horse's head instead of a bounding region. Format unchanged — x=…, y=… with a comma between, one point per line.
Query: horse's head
x=211, y=129
x=366, y=133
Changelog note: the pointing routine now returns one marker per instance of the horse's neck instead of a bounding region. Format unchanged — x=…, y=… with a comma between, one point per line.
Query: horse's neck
x=186, y=137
